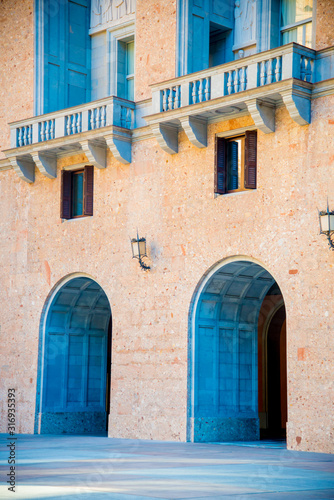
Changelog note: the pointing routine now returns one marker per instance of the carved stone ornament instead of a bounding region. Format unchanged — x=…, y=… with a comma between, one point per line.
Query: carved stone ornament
x=244, y=21
x=106, y=11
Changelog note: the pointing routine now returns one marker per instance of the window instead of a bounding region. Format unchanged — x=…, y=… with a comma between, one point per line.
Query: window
x=236, y=163
x=130, y=64
x=77, y=193
x=296, y=21
x=120, y=57
x=125, y=69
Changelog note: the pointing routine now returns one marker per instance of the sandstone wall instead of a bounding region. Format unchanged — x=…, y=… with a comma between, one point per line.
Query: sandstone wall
x=155, y=44
x=17, y=65
x=171, y=201
x=324, y=24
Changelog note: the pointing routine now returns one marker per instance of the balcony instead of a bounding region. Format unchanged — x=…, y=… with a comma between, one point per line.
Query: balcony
x=255, y=85
x=90, y=128
x=291, y=75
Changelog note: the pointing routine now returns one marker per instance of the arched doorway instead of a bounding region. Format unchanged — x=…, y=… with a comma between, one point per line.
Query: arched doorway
x=228, y=319
x=75, y=358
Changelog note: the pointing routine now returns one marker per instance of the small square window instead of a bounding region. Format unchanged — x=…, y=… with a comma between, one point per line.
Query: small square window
x=77, y=193
x=235, y=168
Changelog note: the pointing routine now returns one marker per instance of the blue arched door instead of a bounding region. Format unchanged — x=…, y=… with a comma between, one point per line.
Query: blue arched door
x=74, y=367
x=224, y=353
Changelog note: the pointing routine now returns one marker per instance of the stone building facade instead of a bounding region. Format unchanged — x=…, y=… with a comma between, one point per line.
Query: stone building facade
x=208, y=127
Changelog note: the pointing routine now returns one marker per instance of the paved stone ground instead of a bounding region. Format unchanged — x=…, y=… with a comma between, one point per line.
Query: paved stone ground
x=71, y=467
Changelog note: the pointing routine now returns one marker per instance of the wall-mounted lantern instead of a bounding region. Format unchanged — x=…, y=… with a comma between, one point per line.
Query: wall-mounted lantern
x=326, y=221
x=138, y=246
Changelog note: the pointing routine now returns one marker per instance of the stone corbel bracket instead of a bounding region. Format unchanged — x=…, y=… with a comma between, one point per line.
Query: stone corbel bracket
x=196, y=130
x=96, y=153
x=24, y=167
x=120, y=146
x=167, y=137
x=46, y=163
x=263, y=115
x=299, y=106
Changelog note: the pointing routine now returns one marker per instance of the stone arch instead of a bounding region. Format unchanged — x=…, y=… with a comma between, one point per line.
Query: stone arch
x=223, y=353
x=74, y=358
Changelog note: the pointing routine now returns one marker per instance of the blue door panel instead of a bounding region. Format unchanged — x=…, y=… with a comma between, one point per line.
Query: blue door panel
x=55, y=370
x=76, y=88
x=75, y=374
x=96, y=375
x=77, y=36
x=200, y=48
x=52, y=91
x=66, y=47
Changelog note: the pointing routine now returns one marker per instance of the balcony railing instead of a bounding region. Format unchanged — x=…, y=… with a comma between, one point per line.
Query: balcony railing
x=283, y=63
x=290, y=75
x=111, y=111
x=256, y=84
x=91, y=128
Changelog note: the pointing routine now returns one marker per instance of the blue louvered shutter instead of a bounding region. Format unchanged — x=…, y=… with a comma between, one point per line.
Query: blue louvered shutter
x=250, y=159
x=220, y=166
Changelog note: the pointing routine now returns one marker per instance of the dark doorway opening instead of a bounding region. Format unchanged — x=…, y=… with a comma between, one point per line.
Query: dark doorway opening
x=108, y=386
x=272, y=367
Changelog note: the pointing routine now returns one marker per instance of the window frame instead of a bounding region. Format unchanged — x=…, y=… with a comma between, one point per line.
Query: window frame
x=115, y=35
x=73, y=174
x=241, y=174
x=123, y=77
x=129, y=76
x=66, y=192
x=248, y=161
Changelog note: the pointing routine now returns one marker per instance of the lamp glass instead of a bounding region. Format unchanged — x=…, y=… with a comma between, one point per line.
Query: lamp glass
x=142, y=247
x=327, y=223
x=135, y=248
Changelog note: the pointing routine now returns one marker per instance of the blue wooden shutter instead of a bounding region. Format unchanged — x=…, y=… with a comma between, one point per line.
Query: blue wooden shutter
x=78, y=53
x=66, y=54
x=88, y=189
x=220, y=166
x=199, y=34
x=66, y=194
x=54, y=56
x=250, y=159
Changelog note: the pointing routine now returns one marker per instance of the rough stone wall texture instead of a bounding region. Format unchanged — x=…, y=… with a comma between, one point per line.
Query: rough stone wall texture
x=155, y=44
x=17, y=65
x=324, y=24
x=171, y=201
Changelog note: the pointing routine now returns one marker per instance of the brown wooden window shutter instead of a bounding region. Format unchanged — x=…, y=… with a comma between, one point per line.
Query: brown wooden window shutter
x=250, y=159
x=66, y=194
x=88, y=190
x=220, y=167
